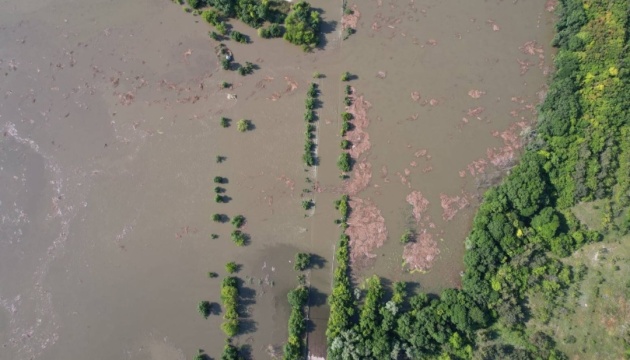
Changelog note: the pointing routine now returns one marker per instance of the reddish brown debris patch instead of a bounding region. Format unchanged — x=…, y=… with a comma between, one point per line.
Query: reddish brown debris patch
x=477, y=167
x=476, y=94
x=434, y=102
x=361, y=176
x=531, y=48
x=551, y=5
x=351, y=20
x=452, y=205
x=366, y=229
x=358, y=136
x=381, y=74
x=287, y=181
x=419, y=202
x=493, y=24
x=475, y=111
x=415, y=96
x=291, y=84
x=419, y=256
x=432, y=42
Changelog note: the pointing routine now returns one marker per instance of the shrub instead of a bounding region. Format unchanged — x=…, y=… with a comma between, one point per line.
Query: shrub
x=407, y=237
x=348, y=90
x=214, y=236
x=345, y=76
x=238, y=221
x=238, y=237
x=308, y=158
x=212, y=275
x=221, y=28
x=204, y=308
x=219, y=198
x=225, y=85
x=220, y=180
x=302, y=25
x=273, y=31
x=225, y=63
x=218, y=217
x=347, y=101
x=302, y=261
x=344, y=162
x=225, y=122
x=307, y=204
x=219, y=190
x=317, y=75
x=238, y=37
x=345, y=144
x=312, y=90
x=345, y=126
x=309, y=103
x=246, y=69
x=243, y=125
x=231, y=267
x=346, y=116
x=309, y=115
x=213, y=35
x=212, y=17
x=220, y=159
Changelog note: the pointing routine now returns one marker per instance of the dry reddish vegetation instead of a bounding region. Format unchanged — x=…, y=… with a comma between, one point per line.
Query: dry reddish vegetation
x=451, y=205
x=367, y=231
x=360, y=140
x=419, y=203
x=351, y=20
x=361, y=176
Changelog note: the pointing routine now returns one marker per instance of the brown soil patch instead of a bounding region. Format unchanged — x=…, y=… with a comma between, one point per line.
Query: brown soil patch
x=419, y=256
x=367, y=231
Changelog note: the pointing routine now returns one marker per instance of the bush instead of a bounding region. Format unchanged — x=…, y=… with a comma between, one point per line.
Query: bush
x=219, y=198
x=231, y=267
x=408, y=236
x=243, y=125
x=309, y=115
x=225, y=63
x=302, y=25
x=214, y=236
x=213, y=35
x=302, y=261
x=219, y=190
x=225, y=122
x=238, y=37
x=307, y=204
x=221, y=28
x=346, y=116
x=238, y=221
x=317, y=75
x=345, y=144
x=212, y=275
x=345, y=76
x=246, y=69
x=344, y=162
x=225, y=85
x=205, y=308
x=273, y=31
x=218, y=217
x=211, y=16
x=239, y=237
x=220, y=180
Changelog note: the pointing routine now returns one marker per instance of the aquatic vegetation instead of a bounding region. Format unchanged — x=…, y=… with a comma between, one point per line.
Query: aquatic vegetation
x=302, y=261
x=243, y=125
x=238, y=221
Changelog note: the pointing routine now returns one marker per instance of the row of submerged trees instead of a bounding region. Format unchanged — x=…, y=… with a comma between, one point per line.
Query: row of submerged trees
x=524, y=226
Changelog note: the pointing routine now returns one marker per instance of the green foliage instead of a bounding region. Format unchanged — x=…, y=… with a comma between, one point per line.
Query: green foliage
x=238, y=37
x=219, y=217
x=230, y=352
x=205, y=308
x=194, y=3
x=273, y=31
x=344, y=162
x=302, y=25
x=239, y=238
x=212, y=275
x=221, y=29
x=345, y=144
x=225, y=85
x=246, y=69
x=243, y=125
x=225, y=122
x=345, y=76
x=346, y=116
x=210, y=16
x=214, y=236
x=302, y=261
x=408, y=236
x=307, y=204
x=214, y=36
x=219, y=190
x=238, y=221
x=231, y=267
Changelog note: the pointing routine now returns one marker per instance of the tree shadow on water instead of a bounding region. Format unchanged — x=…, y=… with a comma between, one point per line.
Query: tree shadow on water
x=318, y=262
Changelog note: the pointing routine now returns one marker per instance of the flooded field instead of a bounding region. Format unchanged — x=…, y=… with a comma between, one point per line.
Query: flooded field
x=110, y=119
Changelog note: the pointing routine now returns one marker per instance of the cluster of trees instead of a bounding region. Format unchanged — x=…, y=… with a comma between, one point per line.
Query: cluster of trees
x=295, y=346
x=229, y=297
x=302, y=26
x=302, y=261
x=581, y=151
x=309, y=116
x=345, y=161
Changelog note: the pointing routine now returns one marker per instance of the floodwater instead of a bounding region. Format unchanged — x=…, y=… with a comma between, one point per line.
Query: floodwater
x=110, y=128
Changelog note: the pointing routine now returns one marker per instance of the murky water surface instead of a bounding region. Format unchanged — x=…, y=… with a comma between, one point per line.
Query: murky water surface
x=110, y=112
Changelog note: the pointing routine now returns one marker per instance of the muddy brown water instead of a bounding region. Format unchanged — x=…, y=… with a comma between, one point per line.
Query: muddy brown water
x=109, y=117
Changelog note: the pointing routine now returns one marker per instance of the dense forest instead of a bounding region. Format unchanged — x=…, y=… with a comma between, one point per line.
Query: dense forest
x=525, y=227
